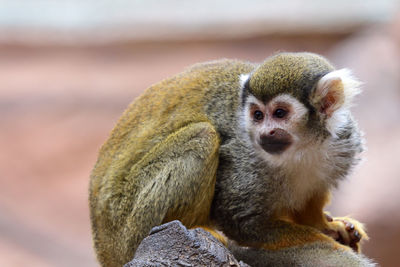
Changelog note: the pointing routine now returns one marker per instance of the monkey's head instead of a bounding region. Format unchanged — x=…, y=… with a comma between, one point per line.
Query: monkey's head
x=294, y=100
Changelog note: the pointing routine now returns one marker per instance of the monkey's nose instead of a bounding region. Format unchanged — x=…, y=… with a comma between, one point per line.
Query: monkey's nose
x=276, y=141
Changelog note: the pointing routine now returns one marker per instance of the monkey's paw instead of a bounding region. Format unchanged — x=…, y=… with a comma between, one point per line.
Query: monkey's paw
x=346, y=231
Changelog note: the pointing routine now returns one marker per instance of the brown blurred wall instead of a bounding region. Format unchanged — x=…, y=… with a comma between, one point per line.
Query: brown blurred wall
x=58, y=103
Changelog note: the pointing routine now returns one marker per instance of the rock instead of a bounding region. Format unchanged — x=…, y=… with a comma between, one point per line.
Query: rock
x=171, y=244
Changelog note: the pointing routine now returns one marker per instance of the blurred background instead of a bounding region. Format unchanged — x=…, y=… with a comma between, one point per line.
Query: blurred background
x=69, y=68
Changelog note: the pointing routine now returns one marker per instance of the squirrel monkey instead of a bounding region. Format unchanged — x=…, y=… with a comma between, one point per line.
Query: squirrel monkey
x=251, y=150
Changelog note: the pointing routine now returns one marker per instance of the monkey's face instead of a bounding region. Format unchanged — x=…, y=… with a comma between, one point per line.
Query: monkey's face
x=275, y=126
x=292, y=117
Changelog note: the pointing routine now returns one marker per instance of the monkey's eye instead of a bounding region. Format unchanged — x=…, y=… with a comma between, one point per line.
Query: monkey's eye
x=279, y=113
x=258, y=115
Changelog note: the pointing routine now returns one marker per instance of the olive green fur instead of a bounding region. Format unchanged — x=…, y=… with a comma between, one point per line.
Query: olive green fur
x=297, y=76
x=162, y=147
x=181, y=167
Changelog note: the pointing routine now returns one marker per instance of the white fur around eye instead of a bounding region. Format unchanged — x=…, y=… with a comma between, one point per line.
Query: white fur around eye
x=246, y=118
x=298, y=110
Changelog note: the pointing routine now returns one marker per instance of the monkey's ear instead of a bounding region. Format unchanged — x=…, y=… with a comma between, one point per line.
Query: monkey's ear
x=334, y=91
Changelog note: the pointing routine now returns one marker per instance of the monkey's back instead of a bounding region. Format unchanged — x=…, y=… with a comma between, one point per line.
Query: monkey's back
x=168, y=106
x=162, y=110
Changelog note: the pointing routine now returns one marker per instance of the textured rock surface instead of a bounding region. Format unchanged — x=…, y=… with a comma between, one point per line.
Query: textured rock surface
x=171, y=244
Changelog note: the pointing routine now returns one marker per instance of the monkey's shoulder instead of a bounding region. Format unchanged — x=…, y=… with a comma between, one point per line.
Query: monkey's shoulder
x=187, y=93
x=205, y=75
x=222, y=65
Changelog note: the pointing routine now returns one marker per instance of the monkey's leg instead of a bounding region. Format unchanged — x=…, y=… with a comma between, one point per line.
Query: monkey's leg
x=285, y=243
x=217, y=234
x=280, y=234
x=321, y=254
x=174, y=180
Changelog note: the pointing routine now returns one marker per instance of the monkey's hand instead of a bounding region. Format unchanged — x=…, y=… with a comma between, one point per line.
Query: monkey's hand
x=346, y=231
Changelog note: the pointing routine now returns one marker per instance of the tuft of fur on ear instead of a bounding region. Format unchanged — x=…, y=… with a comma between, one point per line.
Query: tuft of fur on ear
x=335, y=90
x=334, y=95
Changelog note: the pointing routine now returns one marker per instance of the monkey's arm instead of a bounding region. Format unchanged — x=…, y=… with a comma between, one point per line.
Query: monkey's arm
x=174, y=180
x=298, y=233
x=345, y=230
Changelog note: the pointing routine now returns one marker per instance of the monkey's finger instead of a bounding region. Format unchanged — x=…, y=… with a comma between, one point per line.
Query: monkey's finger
x=328, y=217
x=344, y=235
x=354, y=235
x=349, y=226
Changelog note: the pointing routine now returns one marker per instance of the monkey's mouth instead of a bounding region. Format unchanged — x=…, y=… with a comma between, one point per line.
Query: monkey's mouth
x=274, y=147
x=276, y=141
